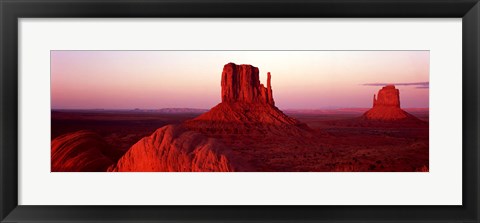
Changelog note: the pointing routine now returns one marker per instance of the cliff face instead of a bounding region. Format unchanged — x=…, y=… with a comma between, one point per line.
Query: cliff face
x=241, y=83
x=387, y=96
x=174, y=149
x=386, y=106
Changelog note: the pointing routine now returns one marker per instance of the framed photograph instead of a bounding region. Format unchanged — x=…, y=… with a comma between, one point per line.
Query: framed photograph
x=230, y=111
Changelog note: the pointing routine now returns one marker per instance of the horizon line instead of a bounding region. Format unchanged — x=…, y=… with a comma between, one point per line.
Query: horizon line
x=113, y=109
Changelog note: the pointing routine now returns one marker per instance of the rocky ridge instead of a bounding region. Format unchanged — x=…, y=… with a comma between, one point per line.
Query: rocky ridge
x=173, y=149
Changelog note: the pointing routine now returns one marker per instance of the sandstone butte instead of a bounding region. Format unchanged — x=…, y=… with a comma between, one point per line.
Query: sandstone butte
x=386, y=106
x=241, y=83
x=247, y=107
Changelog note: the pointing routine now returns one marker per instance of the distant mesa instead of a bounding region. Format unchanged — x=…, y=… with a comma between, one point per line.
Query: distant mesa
x=247, y=105
x=170, y=110
x=386, y=106
x=181, y=110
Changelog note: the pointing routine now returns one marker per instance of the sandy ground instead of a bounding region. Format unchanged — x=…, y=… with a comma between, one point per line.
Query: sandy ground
x=337, y=142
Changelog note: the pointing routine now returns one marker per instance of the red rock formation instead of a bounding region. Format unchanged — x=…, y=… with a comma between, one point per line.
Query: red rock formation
x=244, y=118
x=81, y=151
x=174, y=149
x=387, y=96
x=241, y=83
x=247, y=106
x=386, y=106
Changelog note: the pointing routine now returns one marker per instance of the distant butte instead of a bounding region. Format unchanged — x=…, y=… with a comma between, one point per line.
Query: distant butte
x=386, y=106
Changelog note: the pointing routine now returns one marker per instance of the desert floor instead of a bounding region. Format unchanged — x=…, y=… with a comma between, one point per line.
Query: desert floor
x=337, y=142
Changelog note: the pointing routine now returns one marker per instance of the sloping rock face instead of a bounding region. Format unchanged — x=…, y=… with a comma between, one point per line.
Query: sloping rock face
x=82, y=151
x=174, y=149
x=247, y=107
x=386, y=106
x=243, y=118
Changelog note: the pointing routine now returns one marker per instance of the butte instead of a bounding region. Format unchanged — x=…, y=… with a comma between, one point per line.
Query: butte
x=247, y=107
x=386, y=107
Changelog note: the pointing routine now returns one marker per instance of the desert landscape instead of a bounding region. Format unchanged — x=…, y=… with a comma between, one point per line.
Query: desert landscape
x=244, y=132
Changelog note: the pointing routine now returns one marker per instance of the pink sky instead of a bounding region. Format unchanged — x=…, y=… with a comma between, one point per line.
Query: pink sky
x=300, y=79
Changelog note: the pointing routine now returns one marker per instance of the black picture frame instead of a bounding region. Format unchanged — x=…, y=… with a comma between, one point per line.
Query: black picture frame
x=12, y=10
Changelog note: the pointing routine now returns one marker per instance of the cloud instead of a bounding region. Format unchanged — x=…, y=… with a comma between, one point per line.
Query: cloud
x=420, y=85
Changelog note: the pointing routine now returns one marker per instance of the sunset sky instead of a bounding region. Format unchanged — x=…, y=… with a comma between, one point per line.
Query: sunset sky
x=168, y=79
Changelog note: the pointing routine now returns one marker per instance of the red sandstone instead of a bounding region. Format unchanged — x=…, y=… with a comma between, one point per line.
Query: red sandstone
x=386, y=106
x=241, y=83
x=82, y=151
x=174, y=149
x=245, y=132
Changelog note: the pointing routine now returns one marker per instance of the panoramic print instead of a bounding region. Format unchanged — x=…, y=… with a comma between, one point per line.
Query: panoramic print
x=240, y=111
